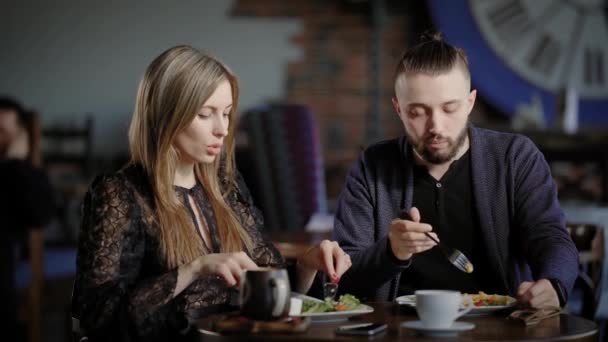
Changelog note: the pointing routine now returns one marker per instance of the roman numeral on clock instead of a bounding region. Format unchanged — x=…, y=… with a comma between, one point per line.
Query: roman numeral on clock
x=593, y=67
x=544, y=55
x=510, y=20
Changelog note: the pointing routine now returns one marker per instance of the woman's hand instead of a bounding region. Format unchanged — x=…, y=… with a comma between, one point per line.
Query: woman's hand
x=327, y=257
x=229, y=266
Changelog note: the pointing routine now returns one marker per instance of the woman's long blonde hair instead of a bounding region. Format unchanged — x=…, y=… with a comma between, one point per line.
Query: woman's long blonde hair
x=174, y=88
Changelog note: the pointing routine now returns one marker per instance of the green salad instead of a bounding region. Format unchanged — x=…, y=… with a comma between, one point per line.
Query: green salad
x=345, y=302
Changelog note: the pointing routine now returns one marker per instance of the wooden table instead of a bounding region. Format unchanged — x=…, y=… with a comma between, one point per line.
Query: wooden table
x=487, y=328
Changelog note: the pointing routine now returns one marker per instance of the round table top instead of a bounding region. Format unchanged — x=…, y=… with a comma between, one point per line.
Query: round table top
x=492, y=327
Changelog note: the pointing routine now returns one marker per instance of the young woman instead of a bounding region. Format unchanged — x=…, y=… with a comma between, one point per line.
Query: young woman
x=166, y=238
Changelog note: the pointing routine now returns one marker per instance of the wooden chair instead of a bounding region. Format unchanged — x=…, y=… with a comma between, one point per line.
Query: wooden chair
x=31, y=306
x=69, y=145
x=589, y=241
x=44, y=263
x=67, y=155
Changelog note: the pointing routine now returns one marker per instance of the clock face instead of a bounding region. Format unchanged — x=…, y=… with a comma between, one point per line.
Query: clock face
x=552, y=44
x=524, y=49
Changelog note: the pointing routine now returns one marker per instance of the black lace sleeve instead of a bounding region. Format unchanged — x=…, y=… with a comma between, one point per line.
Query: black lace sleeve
x=110, y=298
x=264, y=252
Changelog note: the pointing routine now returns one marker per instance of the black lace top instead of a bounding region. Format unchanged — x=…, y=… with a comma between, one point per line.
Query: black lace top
x=123, y=288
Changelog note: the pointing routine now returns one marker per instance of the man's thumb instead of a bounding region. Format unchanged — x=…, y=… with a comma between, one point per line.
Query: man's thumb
x=415, y=214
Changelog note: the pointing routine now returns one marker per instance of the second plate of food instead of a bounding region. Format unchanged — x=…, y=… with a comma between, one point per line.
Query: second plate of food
x=481, y=302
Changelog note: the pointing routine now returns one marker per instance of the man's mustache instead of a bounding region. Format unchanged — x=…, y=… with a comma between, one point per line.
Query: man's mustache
x=436, y=137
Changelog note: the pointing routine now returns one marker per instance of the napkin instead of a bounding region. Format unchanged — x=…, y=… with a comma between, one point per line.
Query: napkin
x=295, y=306
x=533, y=316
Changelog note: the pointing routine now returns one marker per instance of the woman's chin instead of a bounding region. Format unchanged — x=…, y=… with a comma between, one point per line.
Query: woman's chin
x=206, y=159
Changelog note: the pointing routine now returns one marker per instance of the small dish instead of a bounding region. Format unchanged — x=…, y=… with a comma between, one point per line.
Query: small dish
x=456, y=328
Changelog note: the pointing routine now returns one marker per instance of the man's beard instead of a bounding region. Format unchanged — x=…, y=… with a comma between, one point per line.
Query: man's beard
x=438, y=157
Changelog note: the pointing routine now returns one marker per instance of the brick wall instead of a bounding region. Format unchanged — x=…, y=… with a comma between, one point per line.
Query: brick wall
x=333, y=77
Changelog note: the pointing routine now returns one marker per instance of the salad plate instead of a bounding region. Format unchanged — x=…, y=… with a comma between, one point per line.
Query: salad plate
x=319, y=315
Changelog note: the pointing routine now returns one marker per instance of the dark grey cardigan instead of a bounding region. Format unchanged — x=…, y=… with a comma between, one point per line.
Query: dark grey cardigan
x=516, y=198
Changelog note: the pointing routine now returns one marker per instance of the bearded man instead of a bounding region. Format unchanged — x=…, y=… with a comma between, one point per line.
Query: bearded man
x=489, y=194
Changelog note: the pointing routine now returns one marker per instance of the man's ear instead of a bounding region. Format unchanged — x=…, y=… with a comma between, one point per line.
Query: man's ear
x=471, y=99
x=396, y=105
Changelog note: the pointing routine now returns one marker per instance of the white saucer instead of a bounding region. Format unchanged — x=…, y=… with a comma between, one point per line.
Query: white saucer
x=441, y=332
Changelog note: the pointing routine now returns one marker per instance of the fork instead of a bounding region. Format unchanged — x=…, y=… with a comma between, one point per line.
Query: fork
x=456, y=257
x=330, y=290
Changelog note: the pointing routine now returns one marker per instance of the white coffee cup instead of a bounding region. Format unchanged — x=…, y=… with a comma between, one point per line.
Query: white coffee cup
x=438, y=309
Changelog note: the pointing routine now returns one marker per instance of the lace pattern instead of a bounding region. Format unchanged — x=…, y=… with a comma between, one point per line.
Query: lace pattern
x=123, y=289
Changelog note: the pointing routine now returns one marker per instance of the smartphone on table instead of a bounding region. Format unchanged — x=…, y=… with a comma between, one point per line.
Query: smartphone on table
x=367, y=329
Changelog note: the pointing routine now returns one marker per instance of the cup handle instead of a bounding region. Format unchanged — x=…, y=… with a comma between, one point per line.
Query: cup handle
x=279, y=292
x=464, y=311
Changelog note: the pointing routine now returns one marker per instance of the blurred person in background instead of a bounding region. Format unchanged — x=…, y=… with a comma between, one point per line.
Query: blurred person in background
x=26, y=206
x=166, y=239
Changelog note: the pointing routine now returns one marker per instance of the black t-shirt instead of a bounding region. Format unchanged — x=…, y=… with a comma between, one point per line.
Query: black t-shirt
x=449, y=207
x=26, y=197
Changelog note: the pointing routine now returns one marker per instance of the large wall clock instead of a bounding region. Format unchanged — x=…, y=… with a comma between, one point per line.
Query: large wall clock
x=522, y=48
